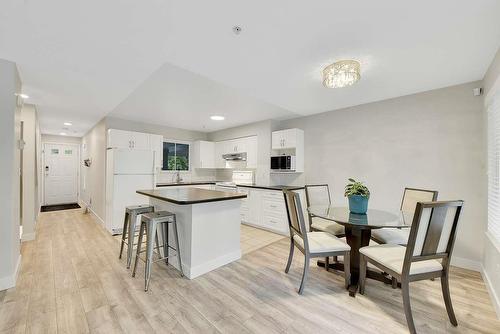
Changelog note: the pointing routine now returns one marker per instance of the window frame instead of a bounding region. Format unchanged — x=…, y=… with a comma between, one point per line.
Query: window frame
x=176, y=141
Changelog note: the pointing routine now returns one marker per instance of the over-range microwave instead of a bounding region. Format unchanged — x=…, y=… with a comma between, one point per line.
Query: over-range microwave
x=283, y=162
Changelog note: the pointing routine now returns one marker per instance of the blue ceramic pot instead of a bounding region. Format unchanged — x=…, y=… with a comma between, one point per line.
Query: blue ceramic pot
x=358, y=204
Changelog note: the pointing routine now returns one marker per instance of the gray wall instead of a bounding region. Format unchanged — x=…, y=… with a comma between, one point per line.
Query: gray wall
x=10, y=85
x=432, y=140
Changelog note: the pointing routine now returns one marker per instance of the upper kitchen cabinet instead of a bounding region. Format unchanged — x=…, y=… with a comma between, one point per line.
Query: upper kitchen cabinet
x=128, y=139
x=204, y=154
x=156, y=144
x=251, y=149
x=287, y=139
x=220, y=147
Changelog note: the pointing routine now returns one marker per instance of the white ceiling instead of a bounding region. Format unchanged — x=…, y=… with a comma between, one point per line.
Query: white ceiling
x=177, y=62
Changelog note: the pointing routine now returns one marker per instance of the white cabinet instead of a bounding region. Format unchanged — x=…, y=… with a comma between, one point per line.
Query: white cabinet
x=235, y=146
x=251, y=149
x=203, y=154
x=128, y=139
x=156, y=144
x=219, y=151
x=286, y=139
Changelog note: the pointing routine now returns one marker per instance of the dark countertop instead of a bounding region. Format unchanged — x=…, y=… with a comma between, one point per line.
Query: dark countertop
x=257, y=186
x=187, y=196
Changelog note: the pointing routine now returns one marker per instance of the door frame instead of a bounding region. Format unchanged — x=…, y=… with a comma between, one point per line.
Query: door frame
x=42, y=168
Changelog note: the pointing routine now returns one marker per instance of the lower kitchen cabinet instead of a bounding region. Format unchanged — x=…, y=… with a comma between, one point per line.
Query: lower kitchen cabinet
x=266, y=209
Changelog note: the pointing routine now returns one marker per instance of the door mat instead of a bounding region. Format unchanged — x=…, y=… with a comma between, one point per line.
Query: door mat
x=47, y=208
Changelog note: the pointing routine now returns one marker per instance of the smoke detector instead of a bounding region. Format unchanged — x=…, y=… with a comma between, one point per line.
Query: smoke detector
x=237, y=30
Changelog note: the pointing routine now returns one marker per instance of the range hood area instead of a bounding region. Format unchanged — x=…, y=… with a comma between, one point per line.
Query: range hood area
x=235, y=156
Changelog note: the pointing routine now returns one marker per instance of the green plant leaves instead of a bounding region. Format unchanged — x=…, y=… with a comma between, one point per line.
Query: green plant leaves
x=356, y=188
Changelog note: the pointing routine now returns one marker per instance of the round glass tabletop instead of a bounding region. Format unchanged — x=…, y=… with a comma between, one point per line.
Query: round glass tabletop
x=372, y=219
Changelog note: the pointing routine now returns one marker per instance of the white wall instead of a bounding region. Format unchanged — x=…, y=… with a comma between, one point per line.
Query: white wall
x=10, y=85
x=491, y=261
x=29, y=170
x=432, y=140
x=61, y=139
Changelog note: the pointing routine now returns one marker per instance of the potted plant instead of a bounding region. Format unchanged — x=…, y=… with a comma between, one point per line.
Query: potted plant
x=358, y=195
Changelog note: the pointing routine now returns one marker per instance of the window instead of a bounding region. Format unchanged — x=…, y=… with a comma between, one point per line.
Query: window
x=175, y=156
x=494, y=167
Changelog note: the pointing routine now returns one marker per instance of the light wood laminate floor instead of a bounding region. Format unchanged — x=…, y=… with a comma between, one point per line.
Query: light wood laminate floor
x=71, y=281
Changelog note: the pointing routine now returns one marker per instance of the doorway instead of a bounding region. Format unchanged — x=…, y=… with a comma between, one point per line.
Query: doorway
x=60, y=170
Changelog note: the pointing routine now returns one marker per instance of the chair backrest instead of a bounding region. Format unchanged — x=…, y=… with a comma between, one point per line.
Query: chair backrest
x=318, y=194
x=433, y=232
x=295, y=215
x=412, y=196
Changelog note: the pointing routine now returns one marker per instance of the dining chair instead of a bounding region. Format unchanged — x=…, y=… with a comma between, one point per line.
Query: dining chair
x=427, y=254
x=399, y=236
x=312, y=244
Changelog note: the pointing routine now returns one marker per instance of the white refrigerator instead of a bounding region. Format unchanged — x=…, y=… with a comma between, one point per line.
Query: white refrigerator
x=127, y=170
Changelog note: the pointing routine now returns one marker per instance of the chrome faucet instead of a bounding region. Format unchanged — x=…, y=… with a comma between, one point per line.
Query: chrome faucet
x=178, y=178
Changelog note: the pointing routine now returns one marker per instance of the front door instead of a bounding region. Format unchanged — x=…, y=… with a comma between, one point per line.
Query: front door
x=60, y=173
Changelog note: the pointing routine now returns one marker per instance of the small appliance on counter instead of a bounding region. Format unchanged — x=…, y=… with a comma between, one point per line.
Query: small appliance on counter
x=283, y=163
x=239, y=177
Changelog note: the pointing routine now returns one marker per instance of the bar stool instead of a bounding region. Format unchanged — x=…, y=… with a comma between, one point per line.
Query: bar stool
x=149, y=226
x=131, y=213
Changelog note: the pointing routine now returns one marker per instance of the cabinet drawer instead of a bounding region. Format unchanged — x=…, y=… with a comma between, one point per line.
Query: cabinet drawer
x=275, y=223
x=275, y=207
x=276, y=195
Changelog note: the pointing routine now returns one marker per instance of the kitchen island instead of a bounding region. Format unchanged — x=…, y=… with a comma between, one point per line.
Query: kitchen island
x=208, y=223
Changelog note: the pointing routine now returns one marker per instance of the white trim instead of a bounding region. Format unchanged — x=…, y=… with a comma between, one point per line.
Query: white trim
x=495, y=299
x=466, y=263
x=493, y=240
x=10, y=281
x=494, y=90
x=84, y=204
x=193, y=272
x=28, y=236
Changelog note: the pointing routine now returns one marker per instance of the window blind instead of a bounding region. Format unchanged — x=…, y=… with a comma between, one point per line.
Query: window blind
x=493, y=112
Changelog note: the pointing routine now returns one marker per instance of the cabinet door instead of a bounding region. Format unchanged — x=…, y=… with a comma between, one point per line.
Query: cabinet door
x=230, y=146
x=156, y=144
x=251, y=148
x=241, y=145
x=140, y=141
x=207, y=154
x=219, y=151
x=119, y=139
x=289, y=138
x=277, y=140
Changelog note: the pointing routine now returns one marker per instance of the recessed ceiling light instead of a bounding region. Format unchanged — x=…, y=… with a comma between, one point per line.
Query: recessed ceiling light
x=62, y=133
x=68, y=123
x=237, y=30
x=217, y=118
x=24, y=96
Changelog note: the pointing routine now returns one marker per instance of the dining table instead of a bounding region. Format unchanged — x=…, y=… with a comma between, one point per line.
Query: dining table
x=358, y=229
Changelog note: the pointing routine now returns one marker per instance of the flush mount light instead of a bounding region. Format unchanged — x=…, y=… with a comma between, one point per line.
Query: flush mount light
x=342, y=73
x=68, y=123
x=237, y=30
x=217, y=118
x=62, y=133
x=24, y=96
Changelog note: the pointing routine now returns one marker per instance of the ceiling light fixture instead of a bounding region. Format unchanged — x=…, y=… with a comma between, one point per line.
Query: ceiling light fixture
x=342, y=73
x=237, y=30
x=217, y=118
x=68, y=123
x=24, y=96
x=62, y=133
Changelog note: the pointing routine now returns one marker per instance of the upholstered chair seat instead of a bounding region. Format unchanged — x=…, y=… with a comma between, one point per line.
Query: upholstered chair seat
x=322, y=242
x=324, y=225
x=395, y=236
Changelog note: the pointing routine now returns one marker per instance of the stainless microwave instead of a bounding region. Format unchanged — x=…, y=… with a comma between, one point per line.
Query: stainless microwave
x=283, y=162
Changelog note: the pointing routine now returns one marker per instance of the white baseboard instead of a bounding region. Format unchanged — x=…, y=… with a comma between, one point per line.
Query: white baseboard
x=466, y=263
x=84, y=204
x=495, y=299
x=28, y=236
x=10, y=281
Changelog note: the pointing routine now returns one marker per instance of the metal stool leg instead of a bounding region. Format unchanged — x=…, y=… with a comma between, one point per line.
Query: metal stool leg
x=124, y=233
x=141, y=233
x=131, y=237
x=177, y=245
x=164, y=231
x=151, y=234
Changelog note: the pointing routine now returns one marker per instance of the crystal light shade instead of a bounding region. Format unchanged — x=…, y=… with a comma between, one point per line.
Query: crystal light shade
x=342, y=73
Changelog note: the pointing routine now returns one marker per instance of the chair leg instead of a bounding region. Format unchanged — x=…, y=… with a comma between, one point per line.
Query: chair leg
x=394, y=283
x=405, y=288
x=130, y=238
x=124, y=234
x=177, y=246
x=445, y=286
x=347, y=269
x=362, y=273
x=304, y=274
x=290, y=256
x=327, y=263
x=138, y=251
x=151, y=236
